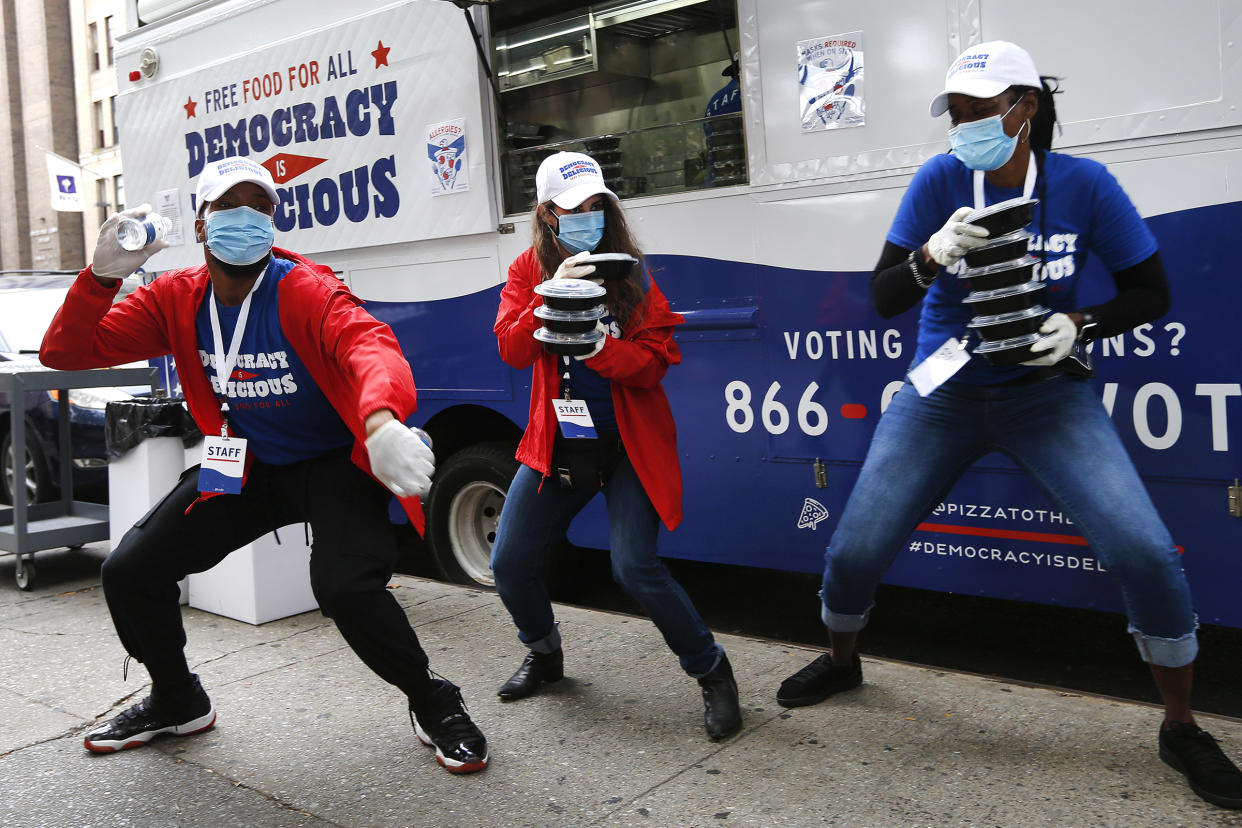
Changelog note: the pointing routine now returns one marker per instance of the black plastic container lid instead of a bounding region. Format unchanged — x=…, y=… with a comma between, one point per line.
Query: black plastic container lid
x=998, y=207
x=1003, y=293
x=1007, y=238
x=609, y=257
x=1002, y=318
x=999, y=267
x=570, y=289
x=552, y=338
x=1016, y=343
x=597, y=312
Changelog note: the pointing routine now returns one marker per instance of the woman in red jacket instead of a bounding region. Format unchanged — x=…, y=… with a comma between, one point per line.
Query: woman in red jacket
x=631, y=450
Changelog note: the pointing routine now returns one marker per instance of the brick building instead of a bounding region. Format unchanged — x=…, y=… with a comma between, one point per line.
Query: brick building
x=94, y=25
x=57, y=92
x=37, y=103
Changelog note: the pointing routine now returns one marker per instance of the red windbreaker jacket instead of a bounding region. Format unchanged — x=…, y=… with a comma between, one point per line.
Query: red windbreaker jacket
x=354, y=358
x=635, y=365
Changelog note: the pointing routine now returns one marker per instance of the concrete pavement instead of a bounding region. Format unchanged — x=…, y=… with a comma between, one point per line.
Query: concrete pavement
x=307, y=736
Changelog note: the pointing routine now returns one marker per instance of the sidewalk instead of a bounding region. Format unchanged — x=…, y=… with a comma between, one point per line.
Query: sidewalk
x=307, y=736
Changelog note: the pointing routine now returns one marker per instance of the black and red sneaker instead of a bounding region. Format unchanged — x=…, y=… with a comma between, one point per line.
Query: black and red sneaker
x=138, y=724
x=441, y=721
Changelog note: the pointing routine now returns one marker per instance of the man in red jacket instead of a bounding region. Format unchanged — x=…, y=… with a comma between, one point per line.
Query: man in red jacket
x=302, y=396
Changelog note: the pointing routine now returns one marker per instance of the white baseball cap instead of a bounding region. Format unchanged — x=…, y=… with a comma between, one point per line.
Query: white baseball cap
x=985, y=71
x=218, y=177
x=569, y=178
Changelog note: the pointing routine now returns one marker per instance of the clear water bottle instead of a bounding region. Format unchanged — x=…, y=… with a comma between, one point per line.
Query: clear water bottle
x=422, y=435
x=136, y=233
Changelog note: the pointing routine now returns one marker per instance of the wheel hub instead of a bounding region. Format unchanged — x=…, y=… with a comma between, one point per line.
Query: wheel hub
x=474, y=517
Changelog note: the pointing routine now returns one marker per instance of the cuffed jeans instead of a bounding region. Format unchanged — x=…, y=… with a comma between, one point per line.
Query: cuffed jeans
x=352, y=558
x=537, y=514
x=1055, y=428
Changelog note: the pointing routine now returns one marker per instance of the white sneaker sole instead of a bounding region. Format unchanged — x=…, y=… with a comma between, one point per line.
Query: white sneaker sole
x=450, y=765
x=202, y=723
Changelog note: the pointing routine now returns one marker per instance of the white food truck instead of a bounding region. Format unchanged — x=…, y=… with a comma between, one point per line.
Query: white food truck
x=404, y=136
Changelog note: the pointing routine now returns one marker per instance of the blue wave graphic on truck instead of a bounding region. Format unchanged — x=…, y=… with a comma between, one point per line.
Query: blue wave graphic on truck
x=785, y=373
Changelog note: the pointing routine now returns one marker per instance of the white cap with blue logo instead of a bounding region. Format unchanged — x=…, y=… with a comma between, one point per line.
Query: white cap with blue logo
x=218, y=177
x=985, y=71
x=569, y=178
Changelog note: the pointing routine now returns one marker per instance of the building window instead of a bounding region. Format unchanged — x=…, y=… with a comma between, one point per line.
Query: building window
x=118, y=186
x=116, y=134
x=101, y=199
x=97, y=115
x=107, y=33
x=92, y=46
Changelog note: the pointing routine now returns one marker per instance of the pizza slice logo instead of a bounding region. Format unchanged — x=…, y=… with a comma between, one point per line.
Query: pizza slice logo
x=812, y=513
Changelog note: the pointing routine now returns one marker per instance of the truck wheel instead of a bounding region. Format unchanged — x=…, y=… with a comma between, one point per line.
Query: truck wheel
x=463, y=511
x=31, y=471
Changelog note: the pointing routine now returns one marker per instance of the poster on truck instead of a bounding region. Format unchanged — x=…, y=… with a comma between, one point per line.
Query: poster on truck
x=830, y=82
x=339, y=116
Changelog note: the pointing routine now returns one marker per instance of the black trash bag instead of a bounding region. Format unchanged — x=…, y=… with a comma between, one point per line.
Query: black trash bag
x=129, y=422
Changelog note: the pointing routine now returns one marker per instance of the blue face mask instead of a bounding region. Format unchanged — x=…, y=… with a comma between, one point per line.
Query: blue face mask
x=983, y=144
x=240, y=236
x=581, y=232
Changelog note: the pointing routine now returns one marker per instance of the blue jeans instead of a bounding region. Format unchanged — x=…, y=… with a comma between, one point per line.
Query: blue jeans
x=536, y=516
x=1058, y=431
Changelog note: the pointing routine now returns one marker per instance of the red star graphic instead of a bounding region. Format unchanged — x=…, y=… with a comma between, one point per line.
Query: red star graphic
x=189, y=108
x=381, y=55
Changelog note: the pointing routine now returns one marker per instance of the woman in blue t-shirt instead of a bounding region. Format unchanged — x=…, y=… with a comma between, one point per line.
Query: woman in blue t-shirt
x=1040, y=413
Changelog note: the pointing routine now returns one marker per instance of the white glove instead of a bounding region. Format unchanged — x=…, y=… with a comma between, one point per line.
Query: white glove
x=570, y=269
x=111, y=261
x=400, y=460
x=599, y=346
x=951, y=242
x=1059, y=333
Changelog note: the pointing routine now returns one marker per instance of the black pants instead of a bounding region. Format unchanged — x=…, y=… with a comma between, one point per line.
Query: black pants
x=352, y=557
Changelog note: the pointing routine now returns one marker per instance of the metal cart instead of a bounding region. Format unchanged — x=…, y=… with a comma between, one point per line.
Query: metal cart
x=28, y=527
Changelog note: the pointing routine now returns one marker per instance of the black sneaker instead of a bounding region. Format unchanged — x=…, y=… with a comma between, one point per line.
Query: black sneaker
x=819, y=680
x=1209, y=771
x=140, y=723
x=445, y=725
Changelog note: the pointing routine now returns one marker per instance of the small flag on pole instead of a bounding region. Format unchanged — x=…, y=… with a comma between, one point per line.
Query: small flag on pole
x=65, y=181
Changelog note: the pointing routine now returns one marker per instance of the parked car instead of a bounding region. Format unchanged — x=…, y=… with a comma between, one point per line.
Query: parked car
x=27, y=306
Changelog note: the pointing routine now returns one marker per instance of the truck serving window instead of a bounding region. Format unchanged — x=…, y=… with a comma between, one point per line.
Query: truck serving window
x=649, y=88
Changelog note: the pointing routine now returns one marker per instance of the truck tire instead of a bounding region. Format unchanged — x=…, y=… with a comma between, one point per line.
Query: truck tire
x=463, y=511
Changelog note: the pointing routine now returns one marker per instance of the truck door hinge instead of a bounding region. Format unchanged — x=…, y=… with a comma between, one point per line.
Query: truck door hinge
x=1235, y=499
x=821, y=474
x=505, y=229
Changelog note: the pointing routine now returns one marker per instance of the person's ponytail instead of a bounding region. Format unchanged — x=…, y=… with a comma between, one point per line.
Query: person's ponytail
x=1046, y=116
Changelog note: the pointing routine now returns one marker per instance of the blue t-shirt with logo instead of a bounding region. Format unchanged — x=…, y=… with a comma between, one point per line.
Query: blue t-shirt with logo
x=588, y=385
x=1082, y=208
x=273, y=401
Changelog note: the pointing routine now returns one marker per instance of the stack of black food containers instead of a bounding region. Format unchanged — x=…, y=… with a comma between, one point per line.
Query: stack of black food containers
x=1004, y=295
x=726, y=152
x=570, y=312
x=606, y=150
x=523, y=159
